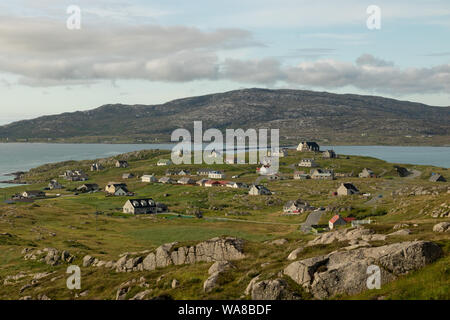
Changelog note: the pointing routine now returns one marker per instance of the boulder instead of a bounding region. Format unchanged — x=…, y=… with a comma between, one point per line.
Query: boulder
x=272, y=290
x=211, y=282
x=442, y=227
x=279, y=242
x=401, y=232
x=345, y=272
x=88, y=261
x=220, y=266
x=294, y=254
x=214, y=271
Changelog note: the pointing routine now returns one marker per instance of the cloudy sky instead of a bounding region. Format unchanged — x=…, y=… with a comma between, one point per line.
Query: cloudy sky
x=147, y=52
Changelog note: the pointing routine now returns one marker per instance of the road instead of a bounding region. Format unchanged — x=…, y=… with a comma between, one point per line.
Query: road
x=312, y=219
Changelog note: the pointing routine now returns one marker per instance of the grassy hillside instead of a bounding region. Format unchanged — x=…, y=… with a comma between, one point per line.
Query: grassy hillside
x=94, y=224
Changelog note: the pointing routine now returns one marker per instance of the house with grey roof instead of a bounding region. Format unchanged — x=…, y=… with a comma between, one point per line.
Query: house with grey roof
x=258, y=190
x=308, y=146
x=436, y=177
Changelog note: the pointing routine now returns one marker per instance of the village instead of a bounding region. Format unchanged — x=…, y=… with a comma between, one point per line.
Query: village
x=308, y=168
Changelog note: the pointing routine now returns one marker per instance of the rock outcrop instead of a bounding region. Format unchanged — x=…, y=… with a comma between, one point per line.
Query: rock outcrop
x=216, y=249
x=214, y=272
x=442, y=227
x=50, y=256
x=276, y=289
x=294, y=254
x=347, y=235
x=345, y=272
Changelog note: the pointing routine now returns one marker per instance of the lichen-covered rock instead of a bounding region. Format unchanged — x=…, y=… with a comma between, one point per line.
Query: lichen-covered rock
x=345, y=272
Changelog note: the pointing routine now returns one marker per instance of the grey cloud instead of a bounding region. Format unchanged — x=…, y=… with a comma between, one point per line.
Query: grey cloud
x=265, y=71
x=44, y=51
x=369, y=60
x=368, y=73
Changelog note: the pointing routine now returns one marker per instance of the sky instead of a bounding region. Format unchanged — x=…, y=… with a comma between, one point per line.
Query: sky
x=150, y=52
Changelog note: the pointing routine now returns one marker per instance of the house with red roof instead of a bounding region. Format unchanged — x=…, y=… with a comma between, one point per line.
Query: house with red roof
x=337, y=220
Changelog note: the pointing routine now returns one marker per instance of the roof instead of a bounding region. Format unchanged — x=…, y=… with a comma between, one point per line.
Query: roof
x=142, y=203
x=259, y=187
x=212, y=182
x=116, y=184
x=436, y=177
x=349, y=186
x=335, y=218
x=89, y=185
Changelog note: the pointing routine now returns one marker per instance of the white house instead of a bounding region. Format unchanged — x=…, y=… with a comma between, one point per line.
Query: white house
x=308, y=146
x=258, y=190
x=216, y=175
x=149, y=178
x=309, y=163
x=140, y=206
x=164, y=162
x=347, y=189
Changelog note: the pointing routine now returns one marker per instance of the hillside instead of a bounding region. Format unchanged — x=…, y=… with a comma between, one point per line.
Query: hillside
x=326, y=117
x=42, y=237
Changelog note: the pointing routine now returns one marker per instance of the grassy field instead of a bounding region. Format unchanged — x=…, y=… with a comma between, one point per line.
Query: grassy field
x=94, y=224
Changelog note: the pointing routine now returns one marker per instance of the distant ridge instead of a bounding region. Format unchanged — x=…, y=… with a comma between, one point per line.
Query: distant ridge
x=326, y=117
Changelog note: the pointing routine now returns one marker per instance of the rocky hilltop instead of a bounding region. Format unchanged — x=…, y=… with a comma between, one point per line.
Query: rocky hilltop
x=326, y=117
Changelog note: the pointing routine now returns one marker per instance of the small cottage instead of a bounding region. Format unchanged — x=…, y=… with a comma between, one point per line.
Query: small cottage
x=367, y=173
x=55, y=185
x=329, y=154
x=96, y=167
x=308, y=146
x=127, y=176
x=296, y=207
x=166, y=180
x=216, y=175
x=88, y=187
x=116, y=189
x=140, y=206
x=186, y=181
x=435, y=177
x=203, y=172
x=212, y=183
x=301, y=175
x=30, y=194
x=309, y=163
x=258, y=190
x=164, y=162
x=201, y=182
x=347, y=189
x=320, y=174
x=148, y=178
x=121, y=164
x=337, y=220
